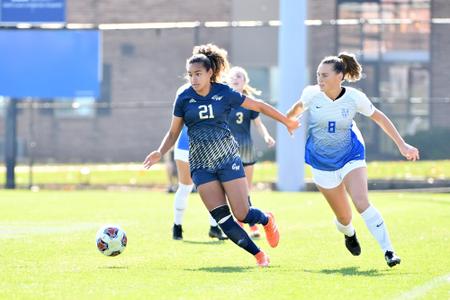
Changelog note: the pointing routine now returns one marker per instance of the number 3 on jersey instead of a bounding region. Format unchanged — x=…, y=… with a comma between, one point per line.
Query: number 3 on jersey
x=331, y=126
x=206, y=112
x=240, y=117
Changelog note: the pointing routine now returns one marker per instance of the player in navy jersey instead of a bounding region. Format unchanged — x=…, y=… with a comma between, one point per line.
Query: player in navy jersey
x=185, y=186
x=214, y=161
x=240, y=120
x=335, y=148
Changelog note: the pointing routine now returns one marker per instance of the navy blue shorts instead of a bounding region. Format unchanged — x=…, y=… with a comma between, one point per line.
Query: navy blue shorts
x=230, y=171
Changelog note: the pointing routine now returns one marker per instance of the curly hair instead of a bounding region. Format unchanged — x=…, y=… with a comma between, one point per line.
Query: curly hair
x=211, y=57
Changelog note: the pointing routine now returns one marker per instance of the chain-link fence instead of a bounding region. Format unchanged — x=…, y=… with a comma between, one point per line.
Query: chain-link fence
x=80, y=132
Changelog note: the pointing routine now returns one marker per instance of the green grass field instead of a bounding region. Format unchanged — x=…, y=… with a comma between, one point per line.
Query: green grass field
x=134, y=174
x=48, y=249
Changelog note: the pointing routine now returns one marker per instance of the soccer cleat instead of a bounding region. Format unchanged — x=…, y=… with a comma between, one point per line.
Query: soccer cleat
x=262, y=259
x=177, y=232
x=254, y=232
x=215, y=232
x=271, y=229
x=352, y=244
x=391, y=259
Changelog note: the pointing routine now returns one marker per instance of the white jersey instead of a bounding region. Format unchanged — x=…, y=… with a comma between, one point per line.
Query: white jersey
x=333, y=138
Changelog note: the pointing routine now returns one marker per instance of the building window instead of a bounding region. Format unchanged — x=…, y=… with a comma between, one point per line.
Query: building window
x=82, y=107
x=392, y=41
x=260, y=79
x=394, y=29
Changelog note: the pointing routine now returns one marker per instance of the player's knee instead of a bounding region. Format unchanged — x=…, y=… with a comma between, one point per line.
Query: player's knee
x=221, y=213
x=361, y=203
x=241, y=215
x=344, y=219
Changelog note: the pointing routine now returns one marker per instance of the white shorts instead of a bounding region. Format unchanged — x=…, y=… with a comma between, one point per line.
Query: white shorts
x=180, y=154
x=331, y=179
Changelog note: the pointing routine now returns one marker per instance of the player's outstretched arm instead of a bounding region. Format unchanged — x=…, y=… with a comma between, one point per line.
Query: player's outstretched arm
x=167, y=143
x=270, y=111
x=408, y=151
x=264, y=132
x=295, y=111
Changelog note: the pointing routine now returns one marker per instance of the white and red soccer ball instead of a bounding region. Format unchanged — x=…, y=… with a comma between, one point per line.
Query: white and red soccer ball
x=111, y=240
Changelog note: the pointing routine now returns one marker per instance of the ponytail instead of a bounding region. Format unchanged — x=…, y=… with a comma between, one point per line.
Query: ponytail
x=352, y=68
x=346, y=64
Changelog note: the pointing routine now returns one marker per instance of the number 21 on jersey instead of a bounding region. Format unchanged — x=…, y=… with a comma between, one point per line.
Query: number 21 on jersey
x=206, y=112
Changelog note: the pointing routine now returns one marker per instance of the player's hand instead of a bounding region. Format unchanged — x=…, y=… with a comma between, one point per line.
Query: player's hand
x=292, y=125
x=410, y=152
x=152, y=159
x=269, y=141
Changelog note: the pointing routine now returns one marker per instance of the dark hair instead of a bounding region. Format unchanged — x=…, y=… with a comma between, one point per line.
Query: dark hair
x=346, y=64
x=211, y=57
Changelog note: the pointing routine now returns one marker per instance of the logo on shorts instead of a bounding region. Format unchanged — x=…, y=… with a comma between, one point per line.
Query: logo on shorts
x=235, y=167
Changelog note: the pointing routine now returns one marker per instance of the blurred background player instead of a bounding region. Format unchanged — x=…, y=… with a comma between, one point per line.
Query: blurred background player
x=214, y=161
x=239, y=122
x=185, y=186
x=171, y=171
x=335, y=148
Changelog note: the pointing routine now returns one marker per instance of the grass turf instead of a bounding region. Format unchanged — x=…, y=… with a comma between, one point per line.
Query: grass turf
x=48, y=249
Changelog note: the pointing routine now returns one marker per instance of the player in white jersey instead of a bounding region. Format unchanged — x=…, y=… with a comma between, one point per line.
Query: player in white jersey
x=335, y=148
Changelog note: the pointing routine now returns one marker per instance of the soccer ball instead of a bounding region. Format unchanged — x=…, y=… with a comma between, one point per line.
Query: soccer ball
x=111, y=240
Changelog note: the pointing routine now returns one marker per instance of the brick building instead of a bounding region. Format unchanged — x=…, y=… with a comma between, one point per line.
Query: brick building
x=405, y=63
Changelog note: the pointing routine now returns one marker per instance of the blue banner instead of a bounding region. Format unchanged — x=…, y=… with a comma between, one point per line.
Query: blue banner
x=50, y=63
x=33, y=11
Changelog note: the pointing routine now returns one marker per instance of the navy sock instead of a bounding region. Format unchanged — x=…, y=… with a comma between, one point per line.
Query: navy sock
x=232, y=229
x=256, y=216
x=238, y=235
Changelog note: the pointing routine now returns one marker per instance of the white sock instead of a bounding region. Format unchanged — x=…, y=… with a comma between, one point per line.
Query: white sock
x=180, y=202
x=348, y=230
x=375, y=224
x=212, y=222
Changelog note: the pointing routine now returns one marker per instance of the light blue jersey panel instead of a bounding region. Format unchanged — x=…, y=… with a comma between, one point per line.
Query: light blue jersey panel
x=333, y=137
x=331, y=158
x=183, y=140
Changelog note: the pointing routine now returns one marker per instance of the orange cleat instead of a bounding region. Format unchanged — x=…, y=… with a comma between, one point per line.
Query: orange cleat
x=271, y=229
x=262, y=259
x=254, y=232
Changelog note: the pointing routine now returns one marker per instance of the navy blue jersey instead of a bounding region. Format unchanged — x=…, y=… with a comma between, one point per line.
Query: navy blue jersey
x=239, y=121
x=211, y=144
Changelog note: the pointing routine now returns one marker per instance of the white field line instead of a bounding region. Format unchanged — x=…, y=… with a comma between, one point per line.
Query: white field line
x=20, y=230
x=421, y=290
